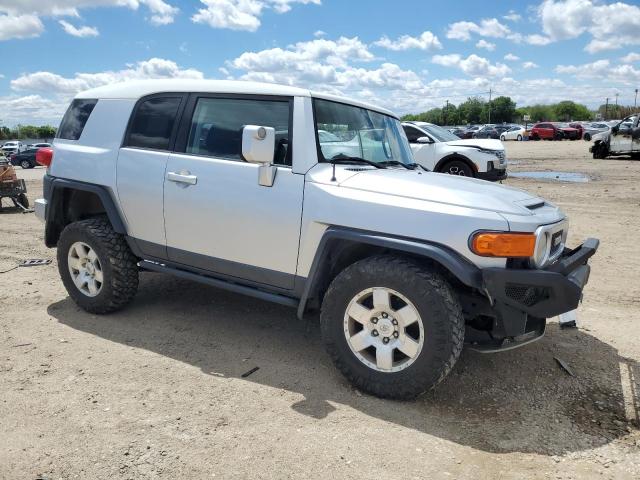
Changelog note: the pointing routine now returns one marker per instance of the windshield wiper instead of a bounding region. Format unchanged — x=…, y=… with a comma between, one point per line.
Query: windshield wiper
x=346, y=160
x=413, y=166
x=396, y=162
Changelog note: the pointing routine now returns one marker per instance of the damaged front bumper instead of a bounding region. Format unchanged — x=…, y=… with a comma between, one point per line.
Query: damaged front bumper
x=522, y=299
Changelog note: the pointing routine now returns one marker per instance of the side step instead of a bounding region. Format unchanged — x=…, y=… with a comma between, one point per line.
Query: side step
x=216, y=282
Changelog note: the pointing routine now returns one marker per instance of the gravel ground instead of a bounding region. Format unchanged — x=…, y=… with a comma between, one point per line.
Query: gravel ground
x=156, y=391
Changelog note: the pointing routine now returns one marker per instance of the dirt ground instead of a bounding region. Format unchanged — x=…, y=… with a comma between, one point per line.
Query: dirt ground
x=156, y=391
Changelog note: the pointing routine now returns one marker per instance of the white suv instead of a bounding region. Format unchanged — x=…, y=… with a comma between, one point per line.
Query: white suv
x=441, y=151
x=12, y=147
x=309, y=201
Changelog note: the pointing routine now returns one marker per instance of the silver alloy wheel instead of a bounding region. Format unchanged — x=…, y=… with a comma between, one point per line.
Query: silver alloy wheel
x=85, y=269
x=25, y=164
x=383, y=329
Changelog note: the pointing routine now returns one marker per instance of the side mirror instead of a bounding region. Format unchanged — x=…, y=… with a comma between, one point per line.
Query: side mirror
x=424, y=140
x=258, y=146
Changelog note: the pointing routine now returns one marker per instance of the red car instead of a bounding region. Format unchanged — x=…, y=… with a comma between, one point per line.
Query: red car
x=579, y=127
x=551, y=131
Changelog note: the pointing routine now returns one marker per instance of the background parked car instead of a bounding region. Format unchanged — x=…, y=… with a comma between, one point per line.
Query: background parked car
x=26, y=159
x=469, y=131
x=458, y=132
x=13, y=147
x=516, y=132
x=546, y=131
x=569, y=132
x=591, y=129
x=488, y=131
x=39, y=145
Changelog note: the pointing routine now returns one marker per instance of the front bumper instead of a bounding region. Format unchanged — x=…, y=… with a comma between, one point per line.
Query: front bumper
x=493, y=175
x=523, y=298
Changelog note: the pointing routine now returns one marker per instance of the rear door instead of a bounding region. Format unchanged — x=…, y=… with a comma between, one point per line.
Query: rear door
x=142, y=162
x=217, y=216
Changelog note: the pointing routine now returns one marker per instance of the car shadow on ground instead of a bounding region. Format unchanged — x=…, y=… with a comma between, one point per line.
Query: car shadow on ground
x=516, y=401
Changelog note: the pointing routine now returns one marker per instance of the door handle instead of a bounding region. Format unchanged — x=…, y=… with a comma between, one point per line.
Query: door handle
x=182, y=177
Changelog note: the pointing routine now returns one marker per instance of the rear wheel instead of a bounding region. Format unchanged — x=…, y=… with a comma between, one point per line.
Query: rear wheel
x=519, y=138
x=26, y=164
x=457, y=167
x=502, y=138
x=392, y=327
x=587, y=137
x=96, y=265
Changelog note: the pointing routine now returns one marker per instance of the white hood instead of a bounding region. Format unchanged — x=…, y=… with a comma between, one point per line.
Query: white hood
x=449, y=189
x=486, y=143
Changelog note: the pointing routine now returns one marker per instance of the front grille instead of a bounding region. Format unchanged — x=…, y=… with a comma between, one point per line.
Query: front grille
x=525, y=294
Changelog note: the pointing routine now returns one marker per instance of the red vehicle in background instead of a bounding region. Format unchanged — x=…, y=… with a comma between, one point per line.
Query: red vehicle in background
x=552, y=131
x=579, y=127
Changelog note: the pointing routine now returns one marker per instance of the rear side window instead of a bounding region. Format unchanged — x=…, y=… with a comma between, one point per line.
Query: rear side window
x=75, y=119
x=153, y=123
x=216, y=126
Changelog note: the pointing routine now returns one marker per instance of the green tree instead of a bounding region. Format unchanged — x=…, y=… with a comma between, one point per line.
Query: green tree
x=470, y=111
x=503, y=110
x=568, y=110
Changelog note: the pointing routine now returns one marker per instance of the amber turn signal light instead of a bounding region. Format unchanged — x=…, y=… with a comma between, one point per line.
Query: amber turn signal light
x=498, y=244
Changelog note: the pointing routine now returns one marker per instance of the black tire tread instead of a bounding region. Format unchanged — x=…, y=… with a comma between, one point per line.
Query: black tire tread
x=124, y=269
x=433, y=284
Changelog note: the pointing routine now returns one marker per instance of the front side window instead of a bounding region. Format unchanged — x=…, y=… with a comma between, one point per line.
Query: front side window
x=413, y=134
x=440, y=134
x=153, y=123
x=75, y=119
x=350, y=131
x=217, y=123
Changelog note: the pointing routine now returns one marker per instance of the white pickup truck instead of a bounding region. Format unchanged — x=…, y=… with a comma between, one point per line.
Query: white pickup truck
x=310, y=201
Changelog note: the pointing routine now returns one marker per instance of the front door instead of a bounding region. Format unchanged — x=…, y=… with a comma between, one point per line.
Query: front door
x=621, y=140
x=217, y=217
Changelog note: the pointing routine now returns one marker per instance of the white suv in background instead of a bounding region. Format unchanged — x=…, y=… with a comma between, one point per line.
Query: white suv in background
x=441, y=151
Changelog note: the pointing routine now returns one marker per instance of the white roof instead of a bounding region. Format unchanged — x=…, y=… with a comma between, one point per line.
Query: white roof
x=140, y=88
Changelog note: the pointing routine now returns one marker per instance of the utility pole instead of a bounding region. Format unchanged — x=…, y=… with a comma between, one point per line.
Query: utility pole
x=606, y=109
x=635, y=102
x=446, y=112
x=489, y=105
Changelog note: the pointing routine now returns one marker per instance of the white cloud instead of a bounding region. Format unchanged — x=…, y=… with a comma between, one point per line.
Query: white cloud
x=603, y=71
x=32, y=109
x=488, y=27
x=51, y=83
x=511, y=57
x=631, y=58
x=79, y=32
x=611, y=26
x=512, y=16
x=19, y=26
x=426, y=41
x=482, y=43
x=319, y=33
x=538, y=40
x=241, y=14
x=529, y=65
x=23, y=18
x=473, y=65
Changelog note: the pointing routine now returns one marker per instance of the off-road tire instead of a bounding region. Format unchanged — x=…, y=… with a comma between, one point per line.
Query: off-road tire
x=462, y=166
x=119, y=265
x=437, y=305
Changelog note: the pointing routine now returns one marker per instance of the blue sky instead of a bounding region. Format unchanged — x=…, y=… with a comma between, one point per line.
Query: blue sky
x=406, y=55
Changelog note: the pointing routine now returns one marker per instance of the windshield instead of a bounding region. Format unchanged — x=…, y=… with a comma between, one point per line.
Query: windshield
x=350, y=131
x=439, y=133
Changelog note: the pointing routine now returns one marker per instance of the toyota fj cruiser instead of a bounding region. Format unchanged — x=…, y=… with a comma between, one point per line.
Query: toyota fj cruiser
x=310, y=201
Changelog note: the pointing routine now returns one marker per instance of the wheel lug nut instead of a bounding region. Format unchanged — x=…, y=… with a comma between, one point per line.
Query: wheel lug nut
x=375, y=333
x=384, y=315
x=385, y=340
x=374, y=320
x=394, y=321
x=395, y=334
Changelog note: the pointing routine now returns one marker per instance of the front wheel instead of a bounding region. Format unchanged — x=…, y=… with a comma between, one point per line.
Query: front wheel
x=392, y=327
x=457, y=167
x=96, y=265
x=26, y=164
x=502, y=139
x=519, y=138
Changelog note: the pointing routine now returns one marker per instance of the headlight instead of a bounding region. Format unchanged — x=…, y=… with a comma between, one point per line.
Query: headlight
x=541, y=252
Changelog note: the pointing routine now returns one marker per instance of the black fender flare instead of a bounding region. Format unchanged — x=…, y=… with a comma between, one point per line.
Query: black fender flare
x=465, y=271
x=53, y=189
x=455, y=156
